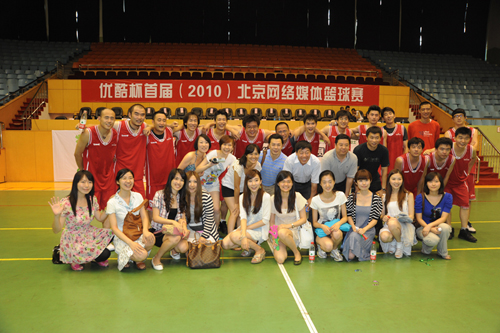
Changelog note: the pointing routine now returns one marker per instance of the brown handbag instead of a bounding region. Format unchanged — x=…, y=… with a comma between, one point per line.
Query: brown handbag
x=132, y=224
x=204, y=255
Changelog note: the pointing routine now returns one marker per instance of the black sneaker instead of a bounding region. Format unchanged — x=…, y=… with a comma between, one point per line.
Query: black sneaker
x=452, y=233
x=223, y=227
x=466, y=235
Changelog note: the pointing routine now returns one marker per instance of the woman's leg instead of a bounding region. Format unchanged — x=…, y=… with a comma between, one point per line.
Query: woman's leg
x=233, y=215
x=395, y=229
x=169, y=242
x=336, y=239
x=286, y=237
x=182, y=246
x=442, y=247
x=232, y=240
x=216, y=199
x=325, y=243
x=103, y=256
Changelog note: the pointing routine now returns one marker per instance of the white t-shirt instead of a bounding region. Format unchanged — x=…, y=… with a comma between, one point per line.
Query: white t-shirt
x=211, y=175
x=284, y=217
x=119, y=207
x=328, y=211
x=228, y=180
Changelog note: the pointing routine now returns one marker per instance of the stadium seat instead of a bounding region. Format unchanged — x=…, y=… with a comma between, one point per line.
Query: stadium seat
x=149, y=112
x=299, y=114
x=166, y=111
x=286, y=114
x=240, y=113
x=271, y=114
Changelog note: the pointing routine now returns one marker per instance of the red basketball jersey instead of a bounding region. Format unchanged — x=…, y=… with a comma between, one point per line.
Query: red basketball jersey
x=287, y=148
x=314, y=142
x=160, y=159
x=413, y=176
x=244, y=141
x=452, y=134
x=333, y=132
x=362, y=134
x=395, y=144
x=184, y=145
x=131, y=153
x=443, y=169
x=214, y=142
x=461, y=169
x=98, y=158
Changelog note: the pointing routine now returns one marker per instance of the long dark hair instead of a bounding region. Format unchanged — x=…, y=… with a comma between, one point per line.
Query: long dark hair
x=282, y=175
x=402, y=191
x=198, y=203
x=73, y=195
x=248, y=150
x=247, y=193
x=167, y=191
x=323, y=174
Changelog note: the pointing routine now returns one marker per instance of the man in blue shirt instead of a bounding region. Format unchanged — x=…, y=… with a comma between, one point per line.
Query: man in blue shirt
x=272, y=161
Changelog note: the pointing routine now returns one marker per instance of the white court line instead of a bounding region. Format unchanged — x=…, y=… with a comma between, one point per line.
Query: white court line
x=296, y=296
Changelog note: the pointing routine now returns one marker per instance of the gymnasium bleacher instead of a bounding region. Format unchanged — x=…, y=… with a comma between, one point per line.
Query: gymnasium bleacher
x=457, y=81
x=225, y=61
x=23, y=62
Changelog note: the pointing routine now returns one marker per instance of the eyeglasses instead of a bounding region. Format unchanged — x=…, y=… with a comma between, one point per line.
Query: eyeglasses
x=458, y=116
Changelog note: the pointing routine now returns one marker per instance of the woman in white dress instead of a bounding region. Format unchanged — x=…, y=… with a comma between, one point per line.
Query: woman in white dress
x=288, y=212
x=255, y=212
x=398, y=233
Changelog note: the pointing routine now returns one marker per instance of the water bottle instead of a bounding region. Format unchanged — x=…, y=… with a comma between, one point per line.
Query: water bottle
x=83, y=121
x=373, y=252
x=312, y=253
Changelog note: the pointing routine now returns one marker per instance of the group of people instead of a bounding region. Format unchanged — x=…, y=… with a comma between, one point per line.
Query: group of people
x=197, y=175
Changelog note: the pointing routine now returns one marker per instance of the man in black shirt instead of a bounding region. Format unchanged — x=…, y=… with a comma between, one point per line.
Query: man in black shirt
x=372, y=155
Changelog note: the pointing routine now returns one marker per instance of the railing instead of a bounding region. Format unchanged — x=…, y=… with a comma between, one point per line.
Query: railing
x=37, y=102
x=27, y=87
x=221, y=68
x=2, y=128
x=489, y=152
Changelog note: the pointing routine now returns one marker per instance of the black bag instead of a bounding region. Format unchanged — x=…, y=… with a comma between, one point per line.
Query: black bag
x=56, y=259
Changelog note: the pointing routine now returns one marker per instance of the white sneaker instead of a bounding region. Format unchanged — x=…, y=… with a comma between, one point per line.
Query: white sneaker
x=335, y=254
x=471, y=228
x=176, y=256
x=321, y=253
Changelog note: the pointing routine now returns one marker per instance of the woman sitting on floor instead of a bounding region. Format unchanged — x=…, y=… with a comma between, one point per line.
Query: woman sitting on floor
x=288, y=212
x=254, y=217
x=398, y=234
x=81, y=242
x=118, y=207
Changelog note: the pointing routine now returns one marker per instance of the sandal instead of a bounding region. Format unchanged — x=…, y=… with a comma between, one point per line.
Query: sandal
x=446, y=257
x=104, y=263
x=258, y=258
x=236, y=249
x=140, y=265
x=76, y=267
x=246, y=253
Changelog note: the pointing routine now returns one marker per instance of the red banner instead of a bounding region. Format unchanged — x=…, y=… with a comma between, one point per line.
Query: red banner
x=203, y=91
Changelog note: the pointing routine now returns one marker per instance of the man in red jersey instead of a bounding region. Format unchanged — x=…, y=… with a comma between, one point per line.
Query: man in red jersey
x=425, y=128
x=131, y=149
x=440, y=160
x=215, y=130
x=288, y=147
x=160, y=156
x=373, y=115
x=397, y=138
x=465, y=157
x=250, y=133
x=186, y=134
x=310, y=133
x=460, y=120
x=413, y=165
x=338, y=126
x=95, y=152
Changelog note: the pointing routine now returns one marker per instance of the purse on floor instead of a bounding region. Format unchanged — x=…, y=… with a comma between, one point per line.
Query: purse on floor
x=203, y=255
x=132, y=224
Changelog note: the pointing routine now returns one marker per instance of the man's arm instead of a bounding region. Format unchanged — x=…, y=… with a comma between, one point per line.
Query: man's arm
x=399, y=164
x=323, y=136
x=314, y=191
x=298, y=131
x=475, y=142
x=348, y=186
x=384, y=138
x=447, y=176
x=472, y=160
x=80, y=147
x=235, y=130
x=420, y=185
x=355, y=133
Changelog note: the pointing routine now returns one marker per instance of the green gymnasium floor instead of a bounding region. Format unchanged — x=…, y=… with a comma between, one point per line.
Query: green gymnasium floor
x=460, y=295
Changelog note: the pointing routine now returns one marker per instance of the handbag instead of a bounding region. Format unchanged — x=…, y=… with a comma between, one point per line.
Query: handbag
x=203, y=255
x=320, y=233
x=132, y=224
x=170, y=230
x=56, y=257
x=306, y=235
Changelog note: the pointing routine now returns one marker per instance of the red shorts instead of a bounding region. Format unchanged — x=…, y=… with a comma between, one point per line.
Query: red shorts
x=460, y=193
x=471, y=183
